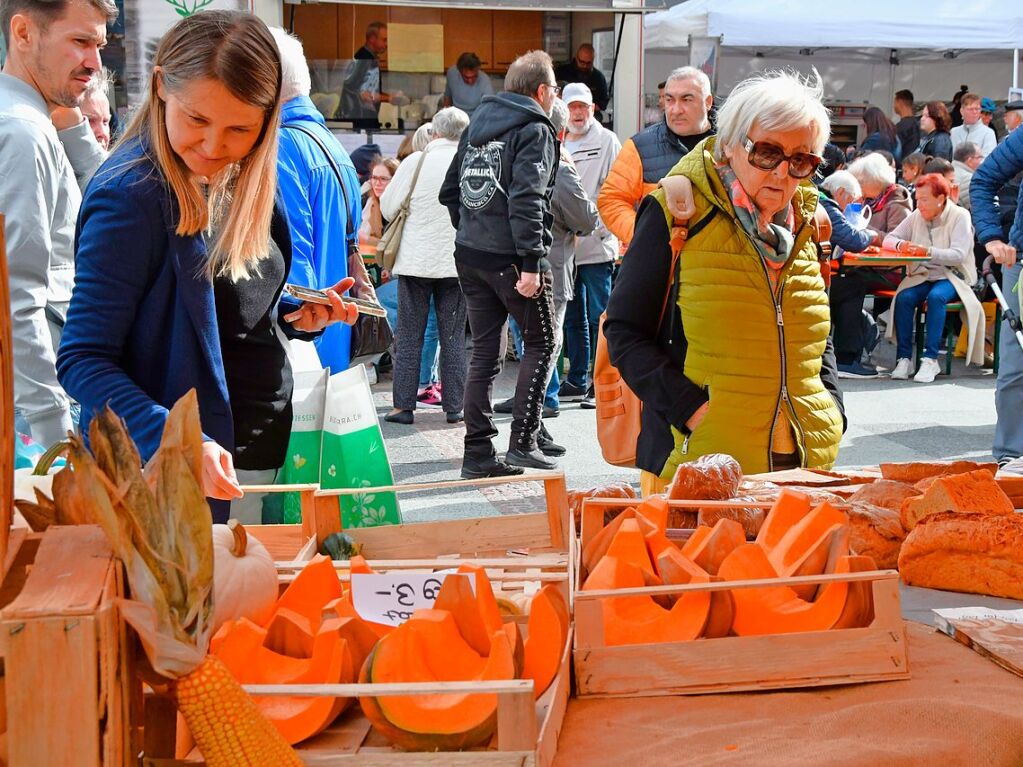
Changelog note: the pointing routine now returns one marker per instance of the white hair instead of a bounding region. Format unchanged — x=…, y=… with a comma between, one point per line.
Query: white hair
x=842, y=179
x=295, y=79
x=422, y=137
x=775, y=101
x=873, y=169
x=691, y=73
x=449, y=123
x=559, y=116
x=100, y=82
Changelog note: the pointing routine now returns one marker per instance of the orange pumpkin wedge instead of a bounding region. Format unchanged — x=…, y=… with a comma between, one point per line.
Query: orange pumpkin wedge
x=655, y=510
x=859, y=607
x=805, y=535
x=613, y=573
x=431, y=722
x=777, y=609
x=548, y=633
x=344, y=608
x=722, y=612
x=696, y=540
x=629, y=545
x=456, y=596
x=290, y=633
x=790, y=507
x=822, y=557
x=359, y=634
x=358, y=565
x=724, y=537
x=486, y=602
x=598, y=544
x=315, y=585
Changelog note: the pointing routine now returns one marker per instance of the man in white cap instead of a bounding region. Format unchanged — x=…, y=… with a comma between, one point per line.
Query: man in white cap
x=593, y=149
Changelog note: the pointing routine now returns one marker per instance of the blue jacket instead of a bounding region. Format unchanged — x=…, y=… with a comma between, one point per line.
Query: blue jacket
x=142, y=326
x=842, y=234
x=997, y=170
x=318, y=213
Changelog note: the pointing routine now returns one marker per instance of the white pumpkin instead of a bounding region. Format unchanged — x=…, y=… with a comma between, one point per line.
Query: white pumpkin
x=245, y=581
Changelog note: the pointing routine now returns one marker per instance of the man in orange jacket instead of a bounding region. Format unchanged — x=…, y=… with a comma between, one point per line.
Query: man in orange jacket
x=647, y=157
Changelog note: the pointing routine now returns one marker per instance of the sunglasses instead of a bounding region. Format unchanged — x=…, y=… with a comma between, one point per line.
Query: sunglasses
x=767, y=156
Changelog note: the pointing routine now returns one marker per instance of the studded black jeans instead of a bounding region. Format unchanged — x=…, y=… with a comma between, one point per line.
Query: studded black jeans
x=490, y=297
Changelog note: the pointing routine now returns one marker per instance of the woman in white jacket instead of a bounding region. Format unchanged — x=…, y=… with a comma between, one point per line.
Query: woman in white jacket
x=425, y=266
x=942, y=230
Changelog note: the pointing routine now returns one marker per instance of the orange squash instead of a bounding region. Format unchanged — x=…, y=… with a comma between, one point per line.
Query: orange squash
x=777, y=609
x=290, y=633
x=343, y=607
x=640, y=620
x=790, y=507
x=475, y=623
x=629, y=545
x=431, y=722
x=613, y=573
x=314, y=586
x=803, y=536
x=358, y=633
x=458, y=661
x=655, y=510
x=722, y=613
x=696, y=540
x=726, y=535
x=358, y=564
x=822, y=555
x=598, y=544
x=548, y=633
x=859, y=607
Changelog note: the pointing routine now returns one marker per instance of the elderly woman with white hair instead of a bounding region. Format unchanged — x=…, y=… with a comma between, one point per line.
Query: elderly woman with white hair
x=320, y=190
x=425, y=267
x=889, y=203
x=730, y=354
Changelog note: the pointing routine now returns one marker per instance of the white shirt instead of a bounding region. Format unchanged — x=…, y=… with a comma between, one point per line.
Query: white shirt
x=978, y=133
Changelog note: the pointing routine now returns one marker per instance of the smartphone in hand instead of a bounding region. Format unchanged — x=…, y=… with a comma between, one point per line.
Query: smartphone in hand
x=314, y=296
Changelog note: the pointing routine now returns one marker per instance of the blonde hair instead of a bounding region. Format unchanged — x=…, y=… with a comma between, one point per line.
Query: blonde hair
x=235, y=49
x=776, y=101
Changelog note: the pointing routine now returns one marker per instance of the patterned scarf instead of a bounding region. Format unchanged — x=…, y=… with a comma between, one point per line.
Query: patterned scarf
x=773, y=239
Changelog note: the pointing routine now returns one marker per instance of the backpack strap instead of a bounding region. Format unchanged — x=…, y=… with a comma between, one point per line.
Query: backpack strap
x=678, y=236
x=820, y=233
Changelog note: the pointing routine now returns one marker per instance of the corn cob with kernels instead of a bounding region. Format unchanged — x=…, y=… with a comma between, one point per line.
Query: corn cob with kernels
x=225, y=723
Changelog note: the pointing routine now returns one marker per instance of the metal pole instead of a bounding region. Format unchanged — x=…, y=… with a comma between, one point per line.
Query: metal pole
x=1015, y=67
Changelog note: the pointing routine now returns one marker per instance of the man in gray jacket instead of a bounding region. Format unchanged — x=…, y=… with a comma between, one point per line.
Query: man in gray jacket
x=53, y=50
x=593, y=149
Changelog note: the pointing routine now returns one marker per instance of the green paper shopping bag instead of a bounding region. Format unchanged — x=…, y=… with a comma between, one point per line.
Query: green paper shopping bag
x=302, y=461
x=353, y=453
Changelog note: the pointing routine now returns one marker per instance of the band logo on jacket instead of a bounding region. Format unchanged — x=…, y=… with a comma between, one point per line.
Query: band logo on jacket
x=481, y=174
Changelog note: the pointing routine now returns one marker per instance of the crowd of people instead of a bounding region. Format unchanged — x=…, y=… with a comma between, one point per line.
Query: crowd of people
x=156, y=263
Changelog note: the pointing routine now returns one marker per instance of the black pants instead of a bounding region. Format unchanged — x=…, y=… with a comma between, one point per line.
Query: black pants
x=489, y=298
x=848, y=289
x=414, y=295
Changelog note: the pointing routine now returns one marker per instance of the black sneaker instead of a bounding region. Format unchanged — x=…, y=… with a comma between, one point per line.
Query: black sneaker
x=532, y=459
x=546, y=443
x=551, y=412
x=589, y=402
x=404, y=417
x=505, y=406
x=454, y=417
x=491, y=467
x=569, y=392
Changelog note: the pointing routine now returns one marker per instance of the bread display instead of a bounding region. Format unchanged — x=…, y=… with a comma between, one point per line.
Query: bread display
x=886, y=493
x=914, y=472
x=970, y=552
x=975, y=491
x=750, y=519
x=714, y=477
x=875, y=531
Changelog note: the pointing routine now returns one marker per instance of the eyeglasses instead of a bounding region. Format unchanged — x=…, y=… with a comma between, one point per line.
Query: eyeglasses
x=768, y=156
x=379, y=178
x=555, y=88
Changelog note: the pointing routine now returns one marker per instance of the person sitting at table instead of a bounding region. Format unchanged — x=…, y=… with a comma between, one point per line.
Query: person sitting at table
x=889, y=202
x=942, y=231
x=373, y=223
x=849, y=287
x=913, y=168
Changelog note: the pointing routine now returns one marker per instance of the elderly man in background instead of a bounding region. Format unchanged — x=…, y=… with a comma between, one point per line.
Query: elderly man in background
x=53, y=50
x=648, y=156
x=320, y=188
x=593, y=149
x=973, y=128
x=1013, y=116
x=965, y=160
x=96, y=106
x=581, y=69
x=466, y=84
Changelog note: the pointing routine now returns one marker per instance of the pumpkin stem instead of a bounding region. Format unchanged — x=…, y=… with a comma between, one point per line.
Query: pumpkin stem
x=241, y=538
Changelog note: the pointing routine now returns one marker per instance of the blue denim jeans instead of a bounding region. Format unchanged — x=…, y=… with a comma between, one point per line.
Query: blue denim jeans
x=582, y=318
x=387, y=294
x=937, y=295
x=1009, y=388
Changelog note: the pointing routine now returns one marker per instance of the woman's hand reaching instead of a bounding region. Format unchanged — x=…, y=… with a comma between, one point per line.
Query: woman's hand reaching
x=312, y=318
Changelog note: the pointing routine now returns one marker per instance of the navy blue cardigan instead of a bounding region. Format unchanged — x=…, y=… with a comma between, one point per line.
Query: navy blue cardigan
x=142, y=326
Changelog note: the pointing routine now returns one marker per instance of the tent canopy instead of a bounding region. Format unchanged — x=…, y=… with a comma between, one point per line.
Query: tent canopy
x=931, y=24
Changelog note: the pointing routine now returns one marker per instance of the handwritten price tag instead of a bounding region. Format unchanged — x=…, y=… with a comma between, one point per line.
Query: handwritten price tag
x=392, y=598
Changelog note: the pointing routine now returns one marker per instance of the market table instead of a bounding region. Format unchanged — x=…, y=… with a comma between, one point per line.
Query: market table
x=957, y=709
x=886, y=259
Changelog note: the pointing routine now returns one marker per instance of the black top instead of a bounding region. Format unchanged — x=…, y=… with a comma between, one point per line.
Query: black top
x=594, y=80
x=363, y=74
x=908, y=131
x=255, y=364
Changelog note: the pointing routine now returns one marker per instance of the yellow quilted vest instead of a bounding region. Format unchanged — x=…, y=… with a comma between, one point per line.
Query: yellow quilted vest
x=757, y=355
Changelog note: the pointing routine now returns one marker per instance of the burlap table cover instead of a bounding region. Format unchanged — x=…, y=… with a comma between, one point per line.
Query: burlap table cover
x=958, y=709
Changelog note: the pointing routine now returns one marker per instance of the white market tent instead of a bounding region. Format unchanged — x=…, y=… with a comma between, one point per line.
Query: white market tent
x=937, y=44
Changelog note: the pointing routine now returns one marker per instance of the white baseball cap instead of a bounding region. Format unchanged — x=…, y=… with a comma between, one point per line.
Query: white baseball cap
x=577, y=92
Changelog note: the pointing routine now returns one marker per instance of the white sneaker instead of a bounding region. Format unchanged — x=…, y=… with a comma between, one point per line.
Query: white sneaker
x=902, y=369
x=928, y=370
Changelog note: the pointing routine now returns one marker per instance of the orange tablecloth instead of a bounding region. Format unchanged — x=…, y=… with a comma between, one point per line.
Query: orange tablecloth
x=958, y=709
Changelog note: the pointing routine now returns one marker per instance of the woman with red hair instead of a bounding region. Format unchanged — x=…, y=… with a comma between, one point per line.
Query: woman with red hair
x=942, y=231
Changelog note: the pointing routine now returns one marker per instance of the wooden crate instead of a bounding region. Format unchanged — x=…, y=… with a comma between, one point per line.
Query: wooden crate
x=321, y=516
x=69, y=685
x=731, y=664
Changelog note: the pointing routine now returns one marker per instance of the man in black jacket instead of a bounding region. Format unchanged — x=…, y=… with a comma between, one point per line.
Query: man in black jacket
x=498, y=192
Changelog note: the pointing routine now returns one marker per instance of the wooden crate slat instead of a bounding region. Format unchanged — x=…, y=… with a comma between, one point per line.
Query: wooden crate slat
x=68, y=577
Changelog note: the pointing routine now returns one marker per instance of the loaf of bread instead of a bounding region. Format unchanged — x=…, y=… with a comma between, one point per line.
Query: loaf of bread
x=875, y=531
x=914, y=472
x=974, y=553
x=976, y=491
x=611, y=490
x=713, y=477
x=886, y=493
x=750, y=519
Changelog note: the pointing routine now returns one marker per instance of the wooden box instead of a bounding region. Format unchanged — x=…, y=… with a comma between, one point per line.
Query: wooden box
x=731, y=664
x=69, y=686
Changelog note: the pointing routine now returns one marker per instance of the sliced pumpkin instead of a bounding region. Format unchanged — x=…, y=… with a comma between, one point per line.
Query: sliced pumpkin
x=722, y=612
x=458, y=661
x=291, y=633
x=431, y=722
x=803, y=536
x=358, y=633
x=343, y=607
x=790, y=507
x=474, y=624
x=777, y=609
x=818, y=559
x=725, y=536
x=655, y=510
x=640, y=620
x=613, y=573
x=677, y=568
x=314, y=586
x=859, y=607
x=358, y=565
x=548, y=633
x=518, y=645
x=695, y=540
x=486, y=603
x=629, y=545
x=598, y=544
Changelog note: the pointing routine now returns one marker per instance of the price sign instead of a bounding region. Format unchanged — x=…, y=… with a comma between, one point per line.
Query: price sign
x=392, y=598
